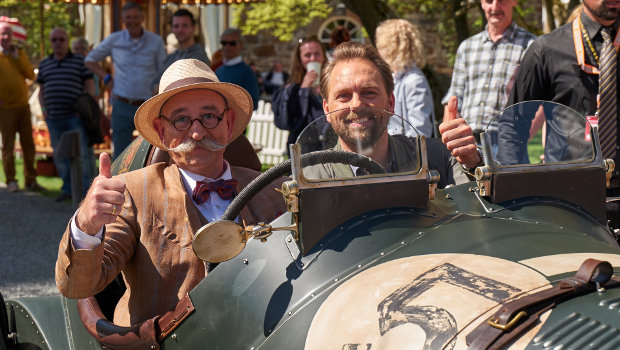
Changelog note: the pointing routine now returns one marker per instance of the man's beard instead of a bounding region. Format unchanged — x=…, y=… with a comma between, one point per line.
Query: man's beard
x=191, y=144
x=361, y=139
x=603, y=11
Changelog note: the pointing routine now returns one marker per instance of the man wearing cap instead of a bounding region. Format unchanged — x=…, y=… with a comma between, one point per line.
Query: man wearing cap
x=358, y=80
x=141, y=223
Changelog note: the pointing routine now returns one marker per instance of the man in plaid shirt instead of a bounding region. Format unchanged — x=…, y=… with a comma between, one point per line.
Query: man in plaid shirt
x=486, y=65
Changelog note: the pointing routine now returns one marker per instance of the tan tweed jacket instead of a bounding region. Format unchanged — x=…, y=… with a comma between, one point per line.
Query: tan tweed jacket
x=151, y=243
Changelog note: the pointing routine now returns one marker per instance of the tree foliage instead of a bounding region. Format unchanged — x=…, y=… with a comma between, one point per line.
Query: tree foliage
x=60, y=14
x=454, y=20
x=280, y=17
x=371, y=13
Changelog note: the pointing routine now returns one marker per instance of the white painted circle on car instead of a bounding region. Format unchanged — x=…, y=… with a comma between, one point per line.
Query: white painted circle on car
x=419, y=302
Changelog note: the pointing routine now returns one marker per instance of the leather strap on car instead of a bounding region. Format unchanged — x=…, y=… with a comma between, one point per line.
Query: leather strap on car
x=145, y=335
x=515, y=317
x=170, y=320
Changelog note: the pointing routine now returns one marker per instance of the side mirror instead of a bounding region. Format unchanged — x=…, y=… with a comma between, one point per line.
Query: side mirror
x=223, y=240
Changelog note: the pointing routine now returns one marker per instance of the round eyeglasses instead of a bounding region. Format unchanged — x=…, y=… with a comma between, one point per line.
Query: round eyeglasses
x=208, y=121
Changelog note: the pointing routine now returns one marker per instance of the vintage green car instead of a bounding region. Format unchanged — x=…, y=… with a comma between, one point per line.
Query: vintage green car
x=388, y=260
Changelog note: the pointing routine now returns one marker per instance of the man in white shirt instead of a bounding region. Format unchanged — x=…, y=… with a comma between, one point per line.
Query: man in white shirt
x=275, y=79
x=138, y=57
x=141, y=223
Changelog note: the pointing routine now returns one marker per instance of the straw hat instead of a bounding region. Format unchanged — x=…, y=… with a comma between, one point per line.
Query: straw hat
x=185, y=75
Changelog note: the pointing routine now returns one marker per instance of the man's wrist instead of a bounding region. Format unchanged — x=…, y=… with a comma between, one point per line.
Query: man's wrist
x=481, y=155
x=480, y=162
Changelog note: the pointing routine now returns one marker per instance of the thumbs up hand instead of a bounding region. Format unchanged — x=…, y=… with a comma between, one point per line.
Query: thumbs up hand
x=104, y=200
x=458, y=136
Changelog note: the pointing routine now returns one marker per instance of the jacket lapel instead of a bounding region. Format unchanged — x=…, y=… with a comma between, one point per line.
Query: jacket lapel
x=195, y=219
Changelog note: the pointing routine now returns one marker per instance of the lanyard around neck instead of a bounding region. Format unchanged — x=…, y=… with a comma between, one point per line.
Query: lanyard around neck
x=579, y=48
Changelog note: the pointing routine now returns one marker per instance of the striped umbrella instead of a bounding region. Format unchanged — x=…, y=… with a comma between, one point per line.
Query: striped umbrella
x=19, y=32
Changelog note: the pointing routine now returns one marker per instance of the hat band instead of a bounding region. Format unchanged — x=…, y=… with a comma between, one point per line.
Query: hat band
x=187, y=81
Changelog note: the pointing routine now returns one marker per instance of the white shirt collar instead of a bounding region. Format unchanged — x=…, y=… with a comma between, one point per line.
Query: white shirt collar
x=190, y=179
x=233, y=61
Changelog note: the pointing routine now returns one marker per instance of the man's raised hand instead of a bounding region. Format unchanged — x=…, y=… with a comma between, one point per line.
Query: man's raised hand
x=104, y=200
x=458, y=136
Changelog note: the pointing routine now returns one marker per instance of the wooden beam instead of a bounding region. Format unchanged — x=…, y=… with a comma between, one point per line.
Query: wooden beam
x=42, y=23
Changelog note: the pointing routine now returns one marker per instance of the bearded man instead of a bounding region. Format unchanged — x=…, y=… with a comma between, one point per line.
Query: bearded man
x=357, y=87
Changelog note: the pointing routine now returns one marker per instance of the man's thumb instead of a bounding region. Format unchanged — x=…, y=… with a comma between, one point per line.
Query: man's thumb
x=105, y=165
x=452, y=109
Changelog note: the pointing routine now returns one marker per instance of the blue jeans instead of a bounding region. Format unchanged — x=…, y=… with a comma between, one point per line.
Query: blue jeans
x=122, y=125
x=56, y=128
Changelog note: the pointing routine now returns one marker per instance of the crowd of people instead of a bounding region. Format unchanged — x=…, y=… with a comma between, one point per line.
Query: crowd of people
x=123, y=226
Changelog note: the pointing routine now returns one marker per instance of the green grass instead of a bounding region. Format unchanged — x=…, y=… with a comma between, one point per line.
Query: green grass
x=266, y=167
x=53, y=184
x=535, y=148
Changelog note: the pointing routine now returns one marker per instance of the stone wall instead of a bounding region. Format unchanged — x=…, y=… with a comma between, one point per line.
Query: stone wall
x=264, y=49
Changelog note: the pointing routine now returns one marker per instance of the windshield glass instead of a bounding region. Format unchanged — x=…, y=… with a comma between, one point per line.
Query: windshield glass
x=374, y=133
x=536, y=132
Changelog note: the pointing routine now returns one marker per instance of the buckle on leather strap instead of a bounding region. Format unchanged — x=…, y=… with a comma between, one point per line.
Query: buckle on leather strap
x=504, y=327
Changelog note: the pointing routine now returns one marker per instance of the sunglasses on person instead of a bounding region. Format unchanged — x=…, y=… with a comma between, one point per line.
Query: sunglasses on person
x=231, y=43
x=57, y=39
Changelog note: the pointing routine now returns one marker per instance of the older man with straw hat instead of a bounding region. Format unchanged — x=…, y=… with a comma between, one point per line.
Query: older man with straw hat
x=141, y=223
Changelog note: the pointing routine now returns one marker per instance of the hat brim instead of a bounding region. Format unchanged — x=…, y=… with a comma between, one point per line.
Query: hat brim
x=237, y=97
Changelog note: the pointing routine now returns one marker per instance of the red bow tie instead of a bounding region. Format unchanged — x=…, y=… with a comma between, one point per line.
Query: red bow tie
x=224, y=188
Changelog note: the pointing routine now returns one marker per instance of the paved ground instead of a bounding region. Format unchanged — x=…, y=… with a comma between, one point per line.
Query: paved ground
x=30, y=228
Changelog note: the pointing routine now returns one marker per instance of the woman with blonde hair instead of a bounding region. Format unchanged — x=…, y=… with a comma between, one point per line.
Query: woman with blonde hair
x=399, y=45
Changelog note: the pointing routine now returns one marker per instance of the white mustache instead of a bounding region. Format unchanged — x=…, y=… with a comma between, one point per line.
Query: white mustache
x=190, y=144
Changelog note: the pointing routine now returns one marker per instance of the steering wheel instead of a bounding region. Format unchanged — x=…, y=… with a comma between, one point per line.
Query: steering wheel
x=308, y=159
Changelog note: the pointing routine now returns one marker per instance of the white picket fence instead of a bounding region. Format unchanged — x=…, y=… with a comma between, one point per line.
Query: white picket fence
x=263, y=132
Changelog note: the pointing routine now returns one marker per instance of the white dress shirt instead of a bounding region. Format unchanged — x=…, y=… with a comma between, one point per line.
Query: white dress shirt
x=233, y=61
